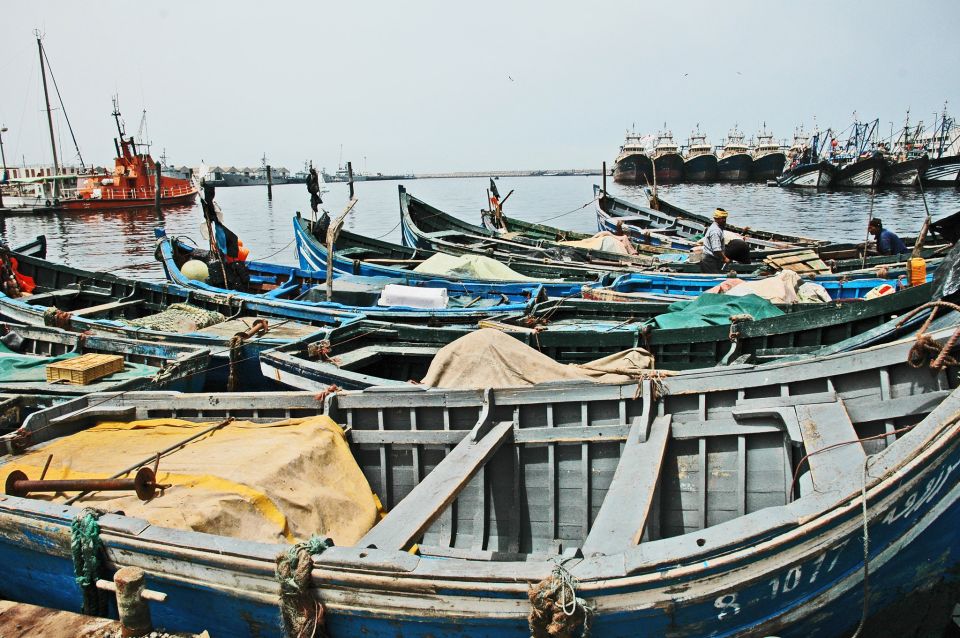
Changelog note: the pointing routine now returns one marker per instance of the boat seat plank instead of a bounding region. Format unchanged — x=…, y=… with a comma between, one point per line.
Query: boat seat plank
x=427, y=500
x=824, y=425
x=96, y=412
x=623, y=514
x=52, y=295
x=107, y=307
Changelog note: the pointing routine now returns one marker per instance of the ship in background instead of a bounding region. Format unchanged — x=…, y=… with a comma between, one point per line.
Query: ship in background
x=735, y=163
x=700, y=162
x=667, y=161
x=768, y=157
x=633, y=165
x=247, y=176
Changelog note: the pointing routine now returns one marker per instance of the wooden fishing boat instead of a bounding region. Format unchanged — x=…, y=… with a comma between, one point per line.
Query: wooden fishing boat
x=841, y=256
x=233, y=330
x=27, y=351
x=750, y=501
x=288, y=287
x=369, y=353
x=424, y=226
x=364, y=256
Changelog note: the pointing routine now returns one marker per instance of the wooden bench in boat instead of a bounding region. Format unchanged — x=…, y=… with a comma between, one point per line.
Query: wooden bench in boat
x=105, y=308
x=834, y=454
x=408, y=520
x=627, y=504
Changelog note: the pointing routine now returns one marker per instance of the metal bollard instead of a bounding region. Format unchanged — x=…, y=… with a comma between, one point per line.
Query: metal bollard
x=132, y=596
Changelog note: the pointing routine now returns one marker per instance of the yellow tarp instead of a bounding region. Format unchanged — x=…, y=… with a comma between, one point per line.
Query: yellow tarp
x=271, y=482
x=469, y=266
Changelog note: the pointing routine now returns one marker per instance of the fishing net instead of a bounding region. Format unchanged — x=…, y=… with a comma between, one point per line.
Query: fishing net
x=179, y=318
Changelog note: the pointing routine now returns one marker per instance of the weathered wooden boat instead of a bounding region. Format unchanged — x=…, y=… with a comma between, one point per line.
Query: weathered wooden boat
x=424, y=226
x=842, y=257
x=358, y=255
x=369, y=353
x=25, y=351
x=838, y=287
x=665, y=217
x=233, y=330
x=285, y=288
x=751, y=501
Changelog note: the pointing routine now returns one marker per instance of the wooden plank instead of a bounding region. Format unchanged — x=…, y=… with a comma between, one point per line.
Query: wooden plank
x=107, y=307
x=425, y=502
x=623, y=514
x=824, y=425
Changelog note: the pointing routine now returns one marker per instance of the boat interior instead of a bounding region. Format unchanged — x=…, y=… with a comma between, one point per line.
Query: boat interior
x=573, y=468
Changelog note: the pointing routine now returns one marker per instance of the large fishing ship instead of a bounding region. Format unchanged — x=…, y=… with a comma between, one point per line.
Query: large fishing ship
x=633, y=165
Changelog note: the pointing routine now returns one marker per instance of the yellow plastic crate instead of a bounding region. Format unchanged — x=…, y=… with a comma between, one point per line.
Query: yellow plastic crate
x=84, y=369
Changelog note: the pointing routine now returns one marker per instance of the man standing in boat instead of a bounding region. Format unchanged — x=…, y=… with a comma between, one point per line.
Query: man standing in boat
x=888, y=243
x=713, y=257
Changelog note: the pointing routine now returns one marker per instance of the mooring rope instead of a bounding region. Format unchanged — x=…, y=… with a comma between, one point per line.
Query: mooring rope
x=301, y=613
x=86, y=549
x=556, y=610
x=866, y=548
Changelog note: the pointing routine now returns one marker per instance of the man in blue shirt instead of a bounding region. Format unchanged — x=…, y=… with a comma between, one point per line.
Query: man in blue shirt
x=713, y=257
x=887, y=241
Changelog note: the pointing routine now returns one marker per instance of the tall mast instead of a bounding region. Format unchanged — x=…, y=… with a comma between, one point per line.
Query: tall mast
x=46, y=98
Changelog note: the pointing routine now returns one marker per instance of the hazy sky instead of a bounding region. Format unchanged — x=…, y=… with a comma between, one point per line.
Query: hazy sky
x=426, y=86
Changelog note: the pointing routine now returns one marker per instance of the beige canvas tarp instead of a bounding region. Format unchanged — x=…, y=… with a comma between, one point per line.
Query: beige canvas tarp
x=469, y=266
x=271, y=482
x=605, y=241
x=488, y=358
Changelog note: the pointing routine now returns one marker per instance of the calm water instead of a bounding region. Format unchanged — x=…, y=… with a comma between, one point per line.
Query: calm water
x=122, y=241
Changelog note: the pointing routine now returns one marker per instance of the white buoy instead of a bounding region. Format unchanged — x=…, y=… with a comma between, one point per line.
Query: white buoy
x=195, y=270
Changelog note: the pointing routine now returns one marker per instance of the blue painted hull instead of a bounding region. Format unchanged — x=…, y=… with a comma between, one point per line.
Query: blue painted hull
x=294, y=282
x=800, y=581
x=313, y=256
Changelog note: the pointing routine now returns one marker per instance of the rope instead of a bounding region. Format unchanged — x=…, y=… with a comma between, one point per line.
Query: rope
x=276, y=253
x=556, y=611
x=569, y=211
x=926, y=345
x=87, y=548
x=866, y=548
x=56, y=318
x=301, y=613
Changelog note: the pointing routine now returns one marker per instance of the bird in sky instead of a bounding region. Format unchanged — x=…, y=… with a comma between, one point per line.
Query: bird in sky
x=510, y=78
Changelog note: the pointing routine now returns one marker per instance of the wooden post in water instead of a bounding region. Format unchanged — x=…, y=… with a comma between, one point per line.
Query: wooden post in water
x=269, y=182
x=604, y=182
x=156, y=196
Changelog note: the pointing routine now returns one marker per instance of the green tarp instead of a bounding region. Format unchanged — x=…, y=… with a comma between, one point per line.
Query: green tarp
x=714, y=310
x=24, y=368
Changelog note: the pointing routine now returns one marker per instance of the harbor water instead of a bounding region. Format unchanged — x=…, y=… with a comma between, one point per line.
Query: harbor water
x=123, y=241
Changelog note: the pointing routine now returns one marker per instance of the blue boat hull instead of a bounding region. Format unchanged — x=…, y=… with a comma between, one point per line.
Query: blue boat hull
x=914, y=545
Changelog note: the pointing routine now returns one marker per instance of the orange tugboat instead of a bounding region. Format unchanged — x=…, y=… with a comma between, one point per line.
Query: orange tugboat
x=133, y=183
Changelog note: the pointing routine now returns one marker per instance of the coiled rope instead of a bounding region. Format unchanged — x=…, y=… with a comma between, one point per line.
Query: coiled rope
x=301, y=613
x=556, y=611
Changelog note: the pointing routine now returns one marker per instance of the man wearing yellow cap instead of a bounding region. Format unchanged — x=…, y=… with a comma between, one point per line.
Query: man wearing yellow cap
x=713, y=257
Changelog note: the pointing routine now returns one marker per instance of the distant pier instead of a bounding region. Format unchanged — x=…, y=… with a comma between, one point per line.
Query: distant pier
x=566, y=172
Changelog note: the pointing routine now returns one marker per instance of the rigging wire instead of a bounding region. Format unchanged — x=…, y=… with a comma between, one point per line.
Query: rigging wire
x=62, y=106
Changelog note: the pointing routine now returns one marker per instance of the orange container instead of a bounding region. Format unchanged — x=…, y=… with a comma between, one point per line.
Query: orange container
x=916, y=271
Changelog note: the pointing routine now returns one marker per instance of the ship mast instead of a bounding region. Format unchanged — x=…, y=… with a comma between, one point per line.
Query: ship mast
x=46, y=98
